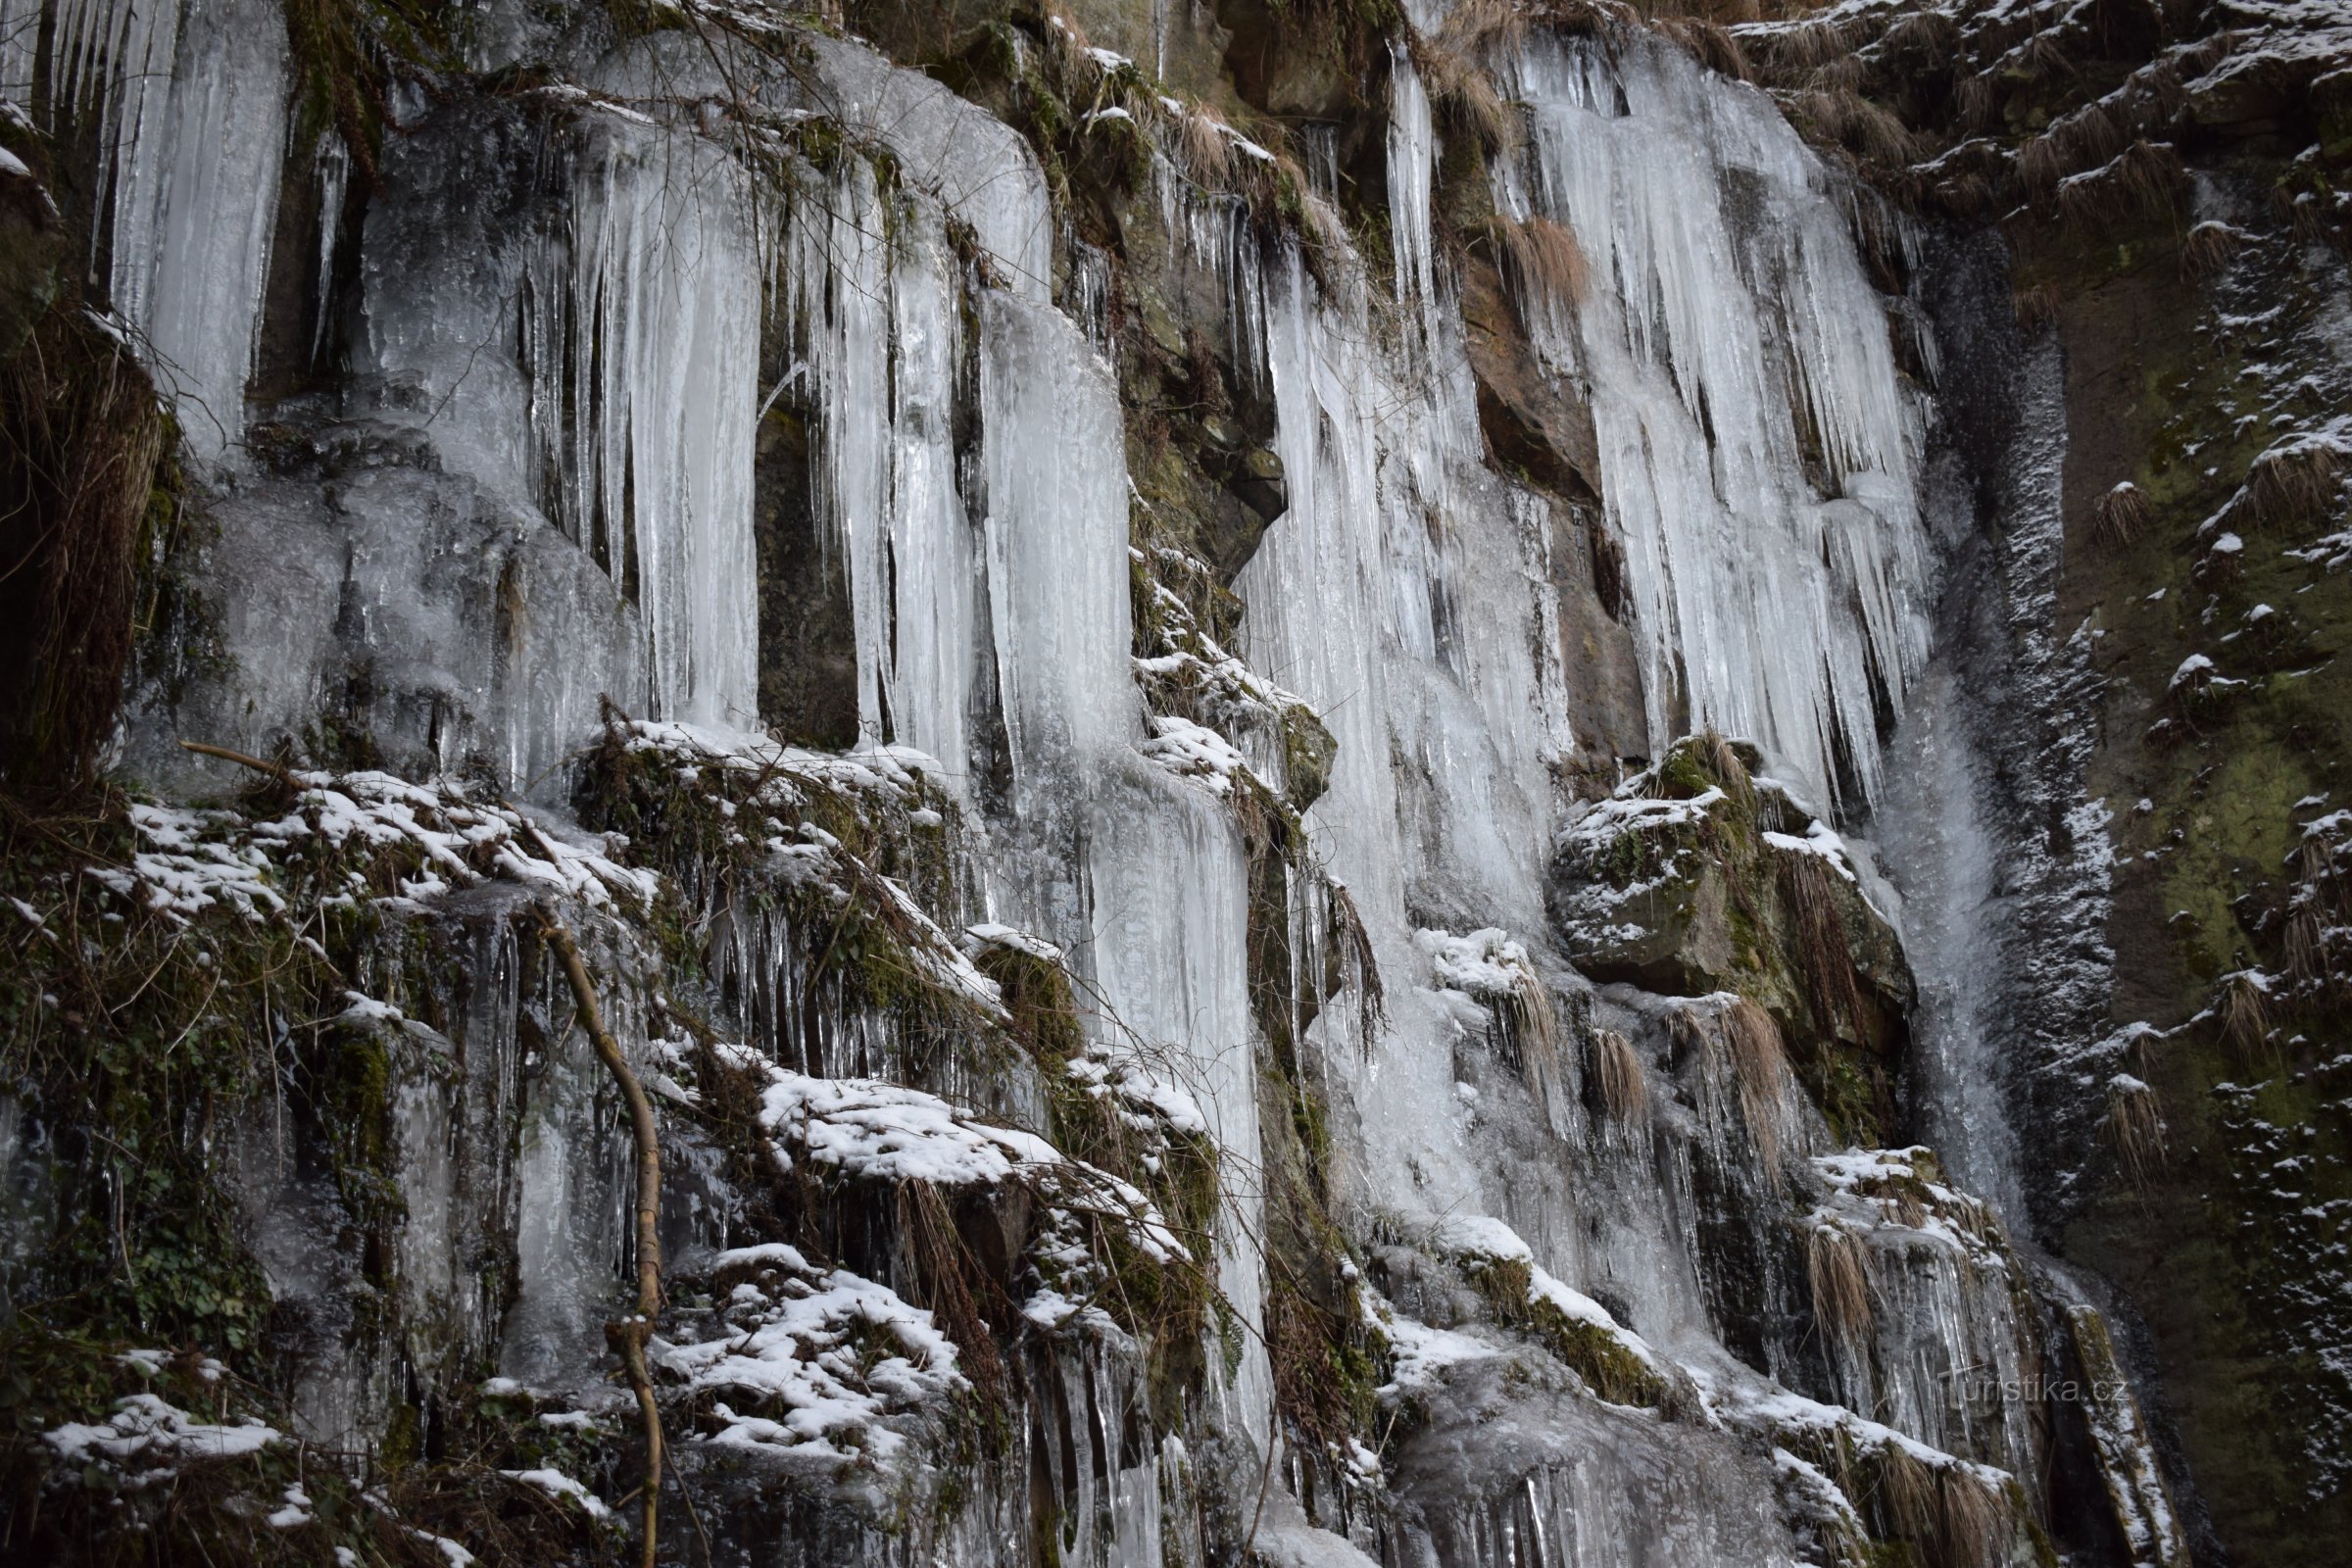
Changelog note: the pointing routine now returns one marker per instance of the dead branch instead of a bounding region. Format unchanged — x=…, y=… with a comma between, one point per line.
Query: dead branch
x=628, y=1336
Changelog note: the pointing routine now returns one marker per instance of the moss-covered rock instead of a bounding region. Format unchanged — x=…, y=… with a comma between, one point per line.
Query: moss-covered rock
x=1694, y=878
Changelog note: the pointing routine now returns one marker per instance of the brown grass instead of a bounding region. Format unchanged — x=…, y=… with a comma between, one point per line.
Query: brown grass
x=2120, y=517
x=1543, y=257
x=1710, y=44
x=2294, y=484
x=2209, y=248
x=1474, y=26
x=82, y=459
x=1722, y=758
x=1203, y=145
x=1465, y=94
x=1975, y=1521
x=2148, y=177
x=2134, y=1127
x=2046, y=55
x=1808, y=47
x=2245, y=1012
x=1850, y=120
x=1837, y=1271
x=1932, y=35
x=2087, y=138
x=1761, y=1064
x=2041, y=167
x=1615, y=1072
x=1907, y=1494
x=1973, y=101
x=1834, y=989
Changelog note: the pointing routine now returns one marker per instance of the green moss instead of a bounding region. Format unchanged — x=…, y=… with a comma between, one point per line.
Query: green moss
x=1612, y=1369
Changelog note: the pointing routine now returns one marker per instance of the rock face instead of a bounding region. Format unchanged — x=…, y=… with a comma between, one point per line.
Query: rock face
x=1167, y=784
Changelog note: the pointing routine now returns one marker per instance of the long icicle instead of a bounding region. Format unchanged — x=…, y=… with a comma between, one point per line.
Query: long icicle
x=627, y=1336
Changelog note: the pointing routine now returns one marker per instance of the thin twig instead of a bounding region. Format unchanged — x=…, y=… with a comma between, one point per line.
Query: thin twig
x=628, y=1337
x=275, y=770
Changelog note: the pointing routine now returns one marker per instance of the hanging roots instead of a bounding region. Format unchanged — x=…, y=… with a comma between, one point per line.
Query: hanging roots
x=1838, y=1268
x=1615, y=1072
x=2134, y=1127
x=2120, y=515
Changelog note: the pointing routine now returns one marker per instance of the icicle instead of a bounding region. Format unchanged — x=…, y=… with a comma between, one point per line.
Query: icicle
x=643, y=336
x=191, y=116
x=1757, y=449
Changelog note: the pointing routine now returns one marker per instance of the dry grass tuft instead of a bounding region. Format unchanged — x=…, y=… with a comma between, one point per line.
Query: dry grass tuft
x=2209, y=248
x=1710, y=44
x=2146, y=177
x=1204, y=146
x=1474, y=26
x=2294, y=483
x=2120, y=517
x=1907, y=1494
x=1543, y=258
x=1850, y=120
x=1973, y=101
x=1761, y=1064
x=1931, y=35
x=2087, y=138
x=83, y=453
x=2035, y=305
x=2245, y=1010
x=1615, y=1072
x=2040, y=165
x=2045, y=56
x=1833, y=987
x=1722, y=758
x=1838, y=1270
x=1462, y=90
x=1809, y=47
x=2134, y=1127
x=1976, y=1520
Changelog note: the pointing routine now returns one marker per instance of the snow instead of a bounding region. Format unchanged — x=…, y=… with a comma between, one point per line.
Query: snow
x=1487, y=964
x=556, y=1484
x=796, y=1343
x=194, y=861
x=155, y=1435
x=870, y=1130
